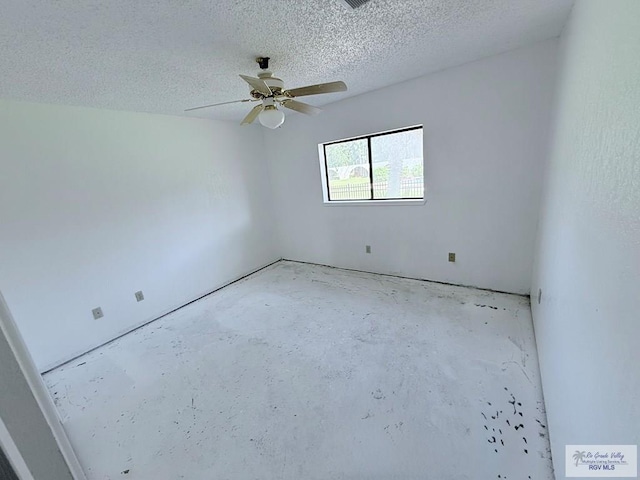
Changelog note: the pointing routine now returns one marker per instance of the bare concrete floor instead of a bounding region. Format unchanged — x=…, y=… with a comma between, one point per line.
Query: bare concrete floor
x=306, y=372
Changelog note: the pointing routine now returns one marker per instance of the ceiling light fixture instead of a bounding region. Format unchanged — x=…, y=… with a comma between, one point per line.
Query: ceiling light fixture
x=270, y=116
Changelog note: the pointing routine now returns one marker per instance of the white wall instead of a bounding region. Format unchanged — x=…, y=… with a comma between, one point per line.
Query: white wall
x=95, y=205
x=25, y=432
x=485, y=137
x=588, y=263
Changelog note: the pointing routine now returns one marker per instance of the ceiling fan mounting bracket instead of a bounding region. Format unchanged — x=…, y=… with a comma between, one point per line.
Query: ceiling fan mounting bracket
x=263, y=62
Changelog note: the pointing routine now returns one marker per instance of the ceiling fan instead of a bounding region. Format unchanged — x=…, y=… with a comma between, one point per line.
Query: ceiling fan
x=270, y=92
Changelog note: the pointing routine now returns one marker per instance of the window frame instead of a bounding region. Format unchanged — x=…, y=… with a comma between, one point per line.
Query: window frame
x=322, y=150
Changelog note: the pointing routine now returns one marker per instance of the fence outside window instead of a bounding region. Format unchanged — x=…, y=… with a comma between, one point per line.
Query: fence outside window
x=411, y=188
x=380, y=166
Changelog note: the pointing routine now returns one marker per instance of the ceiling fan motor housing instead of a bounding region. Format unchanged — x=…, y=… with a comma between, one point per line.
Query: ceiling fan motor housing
x=275, y=84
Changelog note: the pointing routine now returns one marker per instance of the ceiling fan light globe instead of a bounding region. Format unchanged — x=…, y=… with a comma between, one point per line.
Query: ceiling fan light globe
x=271, y=117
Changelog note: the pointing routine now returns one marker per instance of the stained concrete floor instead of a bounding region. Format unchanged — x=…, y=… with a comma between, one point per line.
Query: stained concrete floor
x=306, y=372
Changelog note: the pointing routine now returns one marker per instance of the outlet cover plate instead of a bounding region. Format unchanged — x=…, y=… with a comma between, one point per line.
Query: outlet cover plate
x=452, y=257
x=139, y=296
x=367, y=248
x=97, y=313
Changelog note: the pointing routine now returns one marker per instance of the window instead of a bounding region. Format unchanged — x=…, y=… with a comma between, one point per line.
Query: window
x=381, y=166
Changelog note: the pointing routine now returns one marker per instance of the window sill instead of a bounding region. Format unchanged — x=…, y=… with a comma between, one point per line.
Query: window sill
x=377, y=203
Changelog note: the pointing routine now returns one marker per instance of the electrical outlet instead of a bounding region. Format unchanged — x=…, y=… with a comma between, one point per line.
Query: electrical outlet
x=452, y=257
x=367, y=248
x=139, y=296
x=539, y=295
x=97, y=313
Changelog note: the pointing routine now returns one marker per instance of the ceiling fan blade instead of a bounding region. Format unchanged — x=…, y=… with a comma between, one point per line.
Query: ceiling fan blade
x=217, y=104
x=258, y=84
x=252, y=115
x=301, y=107
x=330, y=87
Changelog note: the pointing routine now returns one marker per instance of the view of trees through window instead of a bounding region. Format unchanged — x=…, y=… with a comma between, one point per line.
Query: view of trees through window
x=376, y=167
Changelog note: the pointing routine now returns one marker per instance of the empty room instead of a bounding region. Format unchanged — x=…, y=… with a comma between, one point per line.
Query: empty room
x=319, y=239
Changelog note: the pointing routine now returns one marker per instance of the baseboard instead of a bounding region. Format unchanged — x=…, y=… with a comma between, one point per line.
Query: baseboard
x=166, y=312
x=200, y=297
x=527, y=295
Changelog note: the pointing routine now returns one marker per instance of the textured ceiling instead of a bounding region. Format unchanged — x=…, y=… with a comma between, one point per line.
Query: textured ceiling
x=167, y=55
